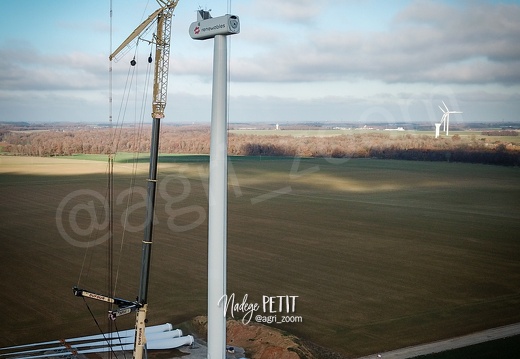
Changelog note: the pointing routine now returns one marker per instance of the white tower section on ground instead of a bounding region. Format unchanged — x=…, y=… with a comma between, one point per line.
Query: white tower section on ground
x=437, y=129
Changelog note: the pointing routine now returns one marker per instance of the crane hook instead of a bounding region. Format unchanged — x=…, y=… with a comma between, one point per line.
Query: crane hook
x=133, y=62
x=150, y=58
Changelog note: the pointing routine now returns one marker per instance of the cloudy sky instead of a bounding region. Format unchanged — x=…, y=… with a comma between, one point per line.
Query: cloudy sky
x=294, y=60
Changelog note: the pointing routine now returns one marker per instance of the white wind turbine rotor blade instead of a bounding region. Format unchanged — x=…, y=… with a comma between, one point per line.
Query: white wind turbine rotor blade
x=103, y=343
x=153, y=345
x=446, y=117
x=127, y=347
x=124, y=333
x=130, y=340
x=443, y=119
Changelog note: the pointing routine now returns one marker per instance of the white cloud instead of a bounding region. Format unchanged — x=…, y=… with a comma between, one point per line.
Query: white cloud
x=25, y=68
x=471, y=43
x=288, y=11
x=291, y=62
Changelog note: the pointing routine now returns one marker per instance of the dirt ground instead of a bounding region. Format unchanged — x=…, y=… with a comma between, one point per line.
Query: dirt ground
x=258, y=341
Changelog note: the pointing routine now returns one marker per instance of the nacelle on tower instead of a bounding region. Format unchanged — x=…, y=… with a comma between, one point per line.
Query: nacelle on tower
x=207, y=27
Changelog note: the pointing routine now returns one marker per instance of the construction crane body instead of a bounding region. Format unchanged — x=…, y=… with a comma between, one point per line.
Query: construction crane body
x=161, y=39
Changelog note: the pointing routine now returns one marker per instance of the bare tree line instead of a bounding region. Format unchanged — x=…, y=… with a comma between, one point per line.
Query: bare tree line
x=195, y=140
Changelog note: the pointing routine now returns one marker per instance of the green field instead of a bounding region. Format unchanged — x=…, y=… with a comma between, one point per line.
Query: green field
x=381, y=254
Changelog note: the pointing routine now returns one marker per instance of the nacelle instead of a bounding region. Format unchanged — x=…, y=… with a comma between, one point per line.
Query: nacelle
x=209, y=27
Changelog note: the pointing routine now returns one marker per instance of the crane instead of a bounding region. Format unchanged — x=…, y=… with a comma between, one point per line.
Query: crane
x=163, y=15
x=161, y=39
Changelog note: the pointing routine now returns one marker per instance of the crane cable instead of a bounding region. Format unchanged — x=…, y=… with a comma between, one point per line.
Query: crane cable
x=108, y=340
x=139, y=129
x=139, y=116
x=132, y=74
x=110, y=185
x=116, y=134
x=110, y=246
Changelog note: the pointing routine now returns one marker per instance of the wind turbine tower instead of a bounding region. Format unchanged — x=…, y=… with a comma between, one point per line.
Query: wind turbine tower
x=445, y=120
x=218, y=28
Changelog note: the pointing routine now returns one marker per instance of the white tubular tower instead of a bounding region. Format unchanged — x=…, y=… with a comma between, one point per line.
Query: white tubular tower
x=218, y=28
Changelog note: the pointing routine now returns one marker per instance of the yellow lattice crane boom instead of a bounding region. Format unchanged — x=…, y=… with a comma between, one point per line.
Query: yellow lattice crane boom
x=163, y=16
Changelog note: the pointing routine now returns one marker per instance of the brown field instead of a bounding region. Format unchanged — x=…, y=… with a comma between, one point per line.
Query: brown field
x=381, y=254
x=477, y=134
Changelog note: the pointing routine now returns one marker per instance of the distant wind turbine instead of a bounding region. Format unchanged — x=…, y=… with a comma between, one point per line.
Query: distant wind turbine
x=444, y=120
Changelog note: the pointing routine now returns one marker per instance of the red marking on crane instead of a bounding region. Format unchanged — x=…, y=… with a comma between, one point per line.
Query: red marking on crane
x=69, y=348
